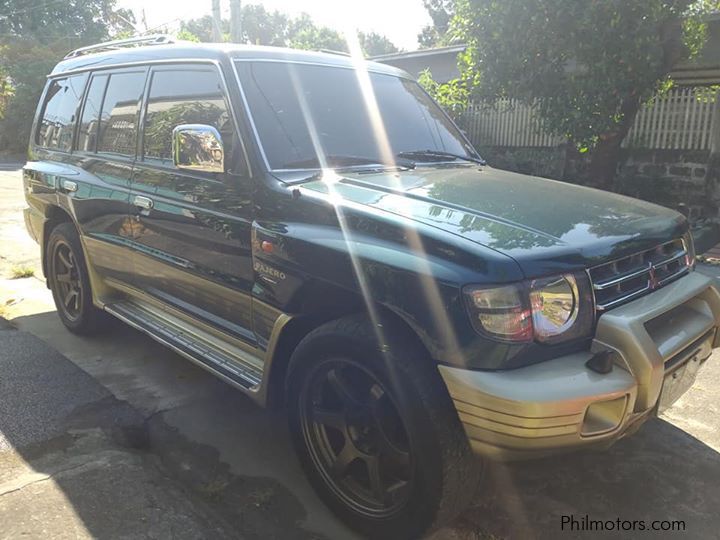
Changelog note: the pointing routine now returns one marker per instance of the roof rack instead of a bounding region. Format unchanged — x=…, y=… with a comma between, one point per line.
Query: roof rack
x=154, y=39
x=333, y=51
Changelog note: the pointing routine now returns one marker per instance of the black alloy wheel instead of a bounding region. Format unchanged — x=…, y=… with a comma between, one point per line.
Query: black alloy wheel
x=356, y=437
x=376, y=431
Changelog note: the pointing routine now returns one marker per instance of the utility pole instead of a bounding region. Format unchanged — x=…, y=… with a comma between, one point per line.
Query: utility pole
x=235, y=21
x=217, y=23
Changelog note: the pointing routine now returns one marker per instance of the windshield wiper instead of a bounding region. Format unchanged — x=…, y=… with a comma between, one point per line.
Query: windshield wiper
x=340, y=160
x=438, y=155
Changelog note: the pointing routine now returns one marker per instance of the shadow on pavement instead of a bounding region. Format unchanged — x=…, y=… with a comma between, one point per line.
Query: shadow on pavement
x=77, y=462
x=660, y=473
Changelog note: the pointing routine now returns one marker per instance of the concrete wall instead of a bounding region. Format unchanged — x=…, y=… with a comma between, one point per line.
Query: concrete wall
x=672, y=178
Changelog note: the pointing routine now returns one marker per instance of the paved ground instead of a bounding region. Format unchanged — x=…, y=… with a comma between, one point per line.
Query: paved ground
x=192, y=447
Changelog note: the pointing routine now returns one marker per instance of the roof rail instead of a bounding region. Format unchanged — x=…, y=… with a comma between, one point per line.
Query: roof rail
x=333, y=51
x=154, y=39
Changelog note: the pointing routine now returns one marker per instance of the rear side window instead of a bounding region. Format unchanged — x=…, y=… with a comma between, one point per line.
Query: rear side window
x=187, y=96
x=59, y=112
x=87, y=134
x=117, y=131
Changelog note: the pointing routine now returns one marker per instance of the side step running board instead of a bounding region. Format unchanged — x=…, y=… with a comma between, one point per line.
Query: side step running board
x=229, y=362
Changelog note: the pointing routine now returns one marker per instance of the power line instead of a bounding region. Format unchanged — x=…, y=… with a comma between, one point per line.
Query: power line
x=161, y=26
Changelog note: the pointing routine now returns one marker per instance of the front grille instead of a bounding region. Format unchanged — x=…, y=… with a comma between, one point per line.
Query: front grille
x=626, y=279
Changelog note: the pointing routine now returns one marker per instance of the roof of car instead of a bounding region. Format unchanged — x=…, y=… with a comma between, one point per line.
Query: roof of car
x=213, y=51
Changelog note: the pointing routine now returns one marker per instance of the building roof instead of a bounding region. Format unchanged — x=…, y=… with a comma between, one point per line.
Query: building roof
x=420, y=53
x=220, y=52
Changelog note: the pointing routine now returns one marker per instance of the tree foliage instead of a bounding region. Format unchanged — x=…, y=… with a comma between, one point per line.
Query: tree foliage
x=201, y=29
x=34, y=36
x=263, y=27
x=587, y=66
x=438, y=33
x=303, y=33
x=452, y=95
x=374, y=44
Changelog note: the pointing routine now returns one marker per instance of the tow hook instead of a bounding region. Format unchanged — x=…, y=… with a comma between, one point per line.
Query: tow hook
x=602, y=362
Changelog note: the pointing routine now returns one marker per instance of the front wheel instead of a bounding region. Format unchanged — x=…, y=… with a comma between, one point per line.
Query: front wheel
x=377, y=433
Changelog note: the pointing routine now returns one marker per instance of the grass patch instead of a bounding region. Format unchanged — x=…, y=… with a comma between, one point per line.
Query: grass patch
x=19, y=272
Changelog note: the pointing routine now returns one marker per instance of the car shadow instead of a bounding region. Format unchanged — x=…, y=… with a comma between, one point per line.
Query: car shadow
x=165, y=442
x=660, y=473
x=236, y=459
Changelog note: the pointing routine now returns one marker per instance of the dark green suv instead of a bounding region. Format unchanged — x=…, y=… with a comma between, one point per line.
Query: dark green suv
x=314, y=230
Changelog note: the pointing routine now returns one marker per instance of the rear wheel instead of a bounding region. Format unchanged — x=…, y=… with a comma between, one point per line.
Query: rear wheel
x=69, y=281
x=377, y=433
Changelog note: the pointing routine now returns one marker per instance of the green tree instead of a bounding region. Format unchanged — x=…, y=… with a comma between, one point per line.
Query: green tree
x=452, y=95
x=588, y=66
x=263, y=27
x=259, y=26
x=202, y=28
x=34, y=36
x=374, y=44
x=438, y=33
x=303, y=33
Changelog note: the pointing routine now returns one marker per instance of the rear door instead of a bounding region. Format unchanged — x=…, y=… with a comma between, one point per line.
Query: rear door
x=192, y=229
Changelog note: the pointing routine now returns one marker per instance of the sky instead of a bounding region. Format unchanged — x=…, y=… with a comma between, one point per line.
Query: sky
x=399, y=20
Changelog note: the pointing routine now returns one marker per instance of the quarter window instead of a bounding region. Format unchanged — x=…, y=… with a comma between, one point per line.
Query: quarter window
x=188, y=96
x=119, y=114
x=59, y=112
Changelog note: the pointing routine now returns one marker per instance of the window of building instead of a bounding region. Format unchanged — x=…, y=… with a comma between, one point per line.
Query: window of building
x=59, y=112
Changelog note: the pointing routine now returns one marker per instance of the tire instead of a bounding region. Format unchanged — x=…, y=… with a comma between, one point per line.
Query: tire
x=69, y=282
x=357, y=414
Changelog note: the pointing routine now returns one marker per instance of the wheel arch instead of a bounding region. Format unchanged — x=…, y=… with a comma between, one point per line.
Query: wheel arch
x=393, y=323
x=54, y=217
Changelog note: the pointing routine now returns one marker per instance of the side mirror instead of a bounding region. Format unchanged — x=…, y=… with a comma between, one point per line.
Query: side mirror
x=198, y=147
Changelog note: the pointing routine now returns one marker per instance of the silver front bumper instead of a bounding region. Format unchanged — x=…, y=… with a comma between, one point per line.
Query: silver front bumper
x=660, y=342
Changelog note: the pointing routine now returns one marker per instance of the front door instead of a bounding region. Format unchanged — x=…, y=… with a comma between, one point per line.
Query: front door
x=192, y=229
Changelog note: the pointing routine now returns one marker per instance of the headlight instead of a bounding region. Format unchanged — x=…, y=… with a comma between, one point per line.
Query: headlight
x=501, y=313
x=549, y=310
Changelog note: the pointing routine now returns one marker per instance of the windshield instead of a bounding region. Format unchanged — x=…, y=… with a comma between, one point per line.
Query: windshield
x=289, y=101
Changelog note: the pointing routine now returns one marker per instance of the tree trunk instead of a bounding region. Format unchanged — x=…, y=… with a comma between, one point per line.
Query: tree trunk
x=217, y=22
x=235, y=21
x=605, y=157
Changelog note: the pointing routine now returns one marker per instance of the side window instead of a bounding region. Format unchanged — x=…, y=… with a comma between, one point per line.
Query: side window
x=117, y=132
x=87, y=134
x=59, y=112
x=185, y=96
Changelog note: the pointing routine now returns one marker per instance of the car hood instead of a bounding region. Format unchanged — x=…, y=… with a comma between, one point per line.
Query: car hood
x=545, y=225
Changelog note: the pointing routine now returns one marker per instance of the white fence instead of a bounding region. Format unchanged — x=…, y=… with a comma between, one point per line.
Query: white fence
x=682, y=119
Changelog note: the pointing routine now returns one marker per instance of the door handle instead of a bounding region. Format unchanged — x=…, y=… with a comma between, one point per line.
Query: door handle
x=143, y=202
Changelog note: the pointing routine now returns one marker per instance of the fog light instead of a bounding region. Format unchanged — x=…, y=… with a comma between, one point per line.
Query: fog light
x=603, y=416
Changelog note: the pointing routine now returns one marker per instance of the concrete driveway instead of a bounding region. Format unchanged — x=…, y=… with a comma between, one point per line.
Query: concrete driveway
x=236, y=459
